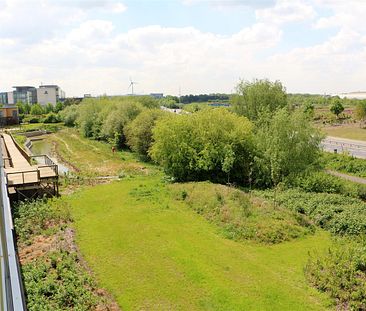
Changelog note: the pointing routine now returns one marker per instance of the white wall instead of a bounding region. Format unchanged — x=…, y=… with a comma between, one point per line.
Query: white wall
x=46, y=95
x=10, y=98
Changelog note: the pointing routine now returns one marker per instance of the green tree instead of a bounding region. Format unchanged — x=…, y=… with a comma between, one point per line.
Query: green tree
x=59, y=106
x=212, y=144
x=309, y=109
x=258, y=97
x=360, y=111
x=69, y=115
x=336, y=106
x=48, y=108
x=36, y=110
x=139, y=132
x=287, y=144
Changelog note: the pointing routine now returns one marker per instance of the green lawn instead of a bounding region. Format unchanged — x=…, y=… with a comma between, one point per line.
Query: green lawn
x=350, y=132
x=154, y=253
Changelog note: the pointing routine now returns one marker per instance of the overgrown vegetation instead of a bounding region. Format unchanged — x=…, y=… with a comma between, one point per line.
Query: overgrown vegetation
x=339, y=214
x=54, y=278
x=341, y=272
x=242, y=217
x=345, y=163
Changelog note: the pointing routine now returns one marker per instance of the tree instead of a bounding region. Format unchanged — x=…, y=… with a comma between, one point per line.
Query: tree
x=287, y=144
x=309, y=109
x=48, y=108
x=212, y=144
x=258, y=97
x=69, y=115
x=139, y=132
x=36, y=110
x=59, y=106
x=336, y=106
x=360, y=111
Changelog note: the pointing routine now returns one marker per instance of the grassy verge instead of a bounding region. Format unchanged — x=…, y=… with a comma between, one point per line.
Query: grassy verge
x=346, y=131
x=153, y=252
x=96, y=158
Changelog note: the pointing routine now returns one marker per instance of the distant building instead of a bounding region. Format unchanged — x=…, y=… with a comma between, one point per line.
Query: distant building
x=24, y=94
x=9, y=115
x=50, y=94
x=157, y=95
x=4, y=98
x=30, y=95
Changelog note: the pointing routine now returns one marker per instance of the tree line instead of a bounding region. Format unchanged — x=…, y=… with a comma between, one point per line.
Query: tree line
x=260, y=140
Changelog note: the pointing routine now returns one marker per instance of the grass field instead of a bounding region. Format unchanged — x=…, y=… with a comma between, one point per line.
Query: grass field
x=346, y=131
x=154, y=253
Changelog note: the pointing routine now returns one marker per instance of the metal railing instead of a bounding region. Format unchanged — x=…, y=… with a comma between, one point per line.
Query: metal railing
x=13, y=298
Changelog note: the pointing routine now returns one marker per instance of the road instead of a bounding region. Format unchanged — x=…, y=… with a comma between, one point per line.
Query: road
x=356, y=148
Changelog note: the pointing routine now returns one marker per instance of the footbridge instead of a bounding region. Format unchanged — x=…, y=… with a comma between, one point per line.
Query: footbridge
x=27, y=176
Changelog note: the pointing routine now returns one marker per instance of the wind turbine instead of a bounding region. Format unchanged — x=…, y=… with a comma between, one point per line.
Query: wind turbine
x=131, y=85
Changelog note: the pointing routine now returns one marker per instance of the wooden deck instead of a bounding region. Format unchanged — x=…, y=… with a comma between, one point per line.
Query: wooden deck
x=19, y=169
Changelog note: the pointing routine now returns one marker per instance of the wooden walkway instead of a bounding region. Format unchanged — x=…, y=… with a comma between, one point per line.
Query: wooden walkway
x=18, y=166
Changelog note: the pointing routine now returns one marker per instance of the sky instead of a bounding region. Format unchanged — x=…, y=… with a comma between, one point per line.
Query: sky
x=183, y=46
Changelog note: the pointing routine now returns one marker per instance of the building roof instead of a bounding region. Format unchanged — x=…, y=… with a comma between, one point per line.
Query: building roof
x=49, y=85
x=23, y=87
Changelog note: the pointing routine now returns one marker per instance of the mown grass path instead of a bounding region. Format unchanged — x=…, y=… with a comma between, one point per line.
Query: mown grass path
x=154, y=253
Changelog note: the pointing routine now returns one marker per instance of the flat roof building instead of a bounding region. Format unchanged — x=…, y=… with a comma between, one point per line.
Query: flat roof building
x=24, y=94
x=50, y=94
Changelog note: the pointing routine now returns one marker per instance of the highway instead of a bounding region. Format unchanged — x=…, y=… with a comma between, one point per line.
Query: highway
x=356, y=148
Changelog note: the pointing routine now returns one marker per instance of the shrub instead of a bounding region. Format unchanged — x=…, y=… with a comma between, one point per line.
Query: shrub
x=339, y=214
x=341, y=272
x=345, y=163
x=36, y=110
x=58, y=283
x=212, y=144
x=69, y=115
x=38, y=217
x=238, y=217
x=139, y=132
x=51, y=118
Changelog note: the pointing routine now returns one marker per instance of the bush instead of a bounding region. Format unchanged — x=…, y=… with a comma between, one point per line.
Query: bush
x=69, y=115
x=345, y=163
x=31, y=119
x=239, y=217
x=339, y=214
x=139, y=132
x=51, y=118
x=38, y=217
x=36, y=110
x=58, y=283
x=341, y=273
x=212, y=144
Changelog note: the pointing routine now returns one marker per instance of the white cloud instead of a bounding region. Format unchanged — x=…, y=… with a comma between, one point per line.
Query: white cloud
x=63, y=43
x=286, y=11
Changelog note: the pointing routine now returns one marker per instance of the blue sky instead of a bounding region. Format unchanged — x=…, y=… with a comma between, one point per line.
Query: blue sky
x=198, y=46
